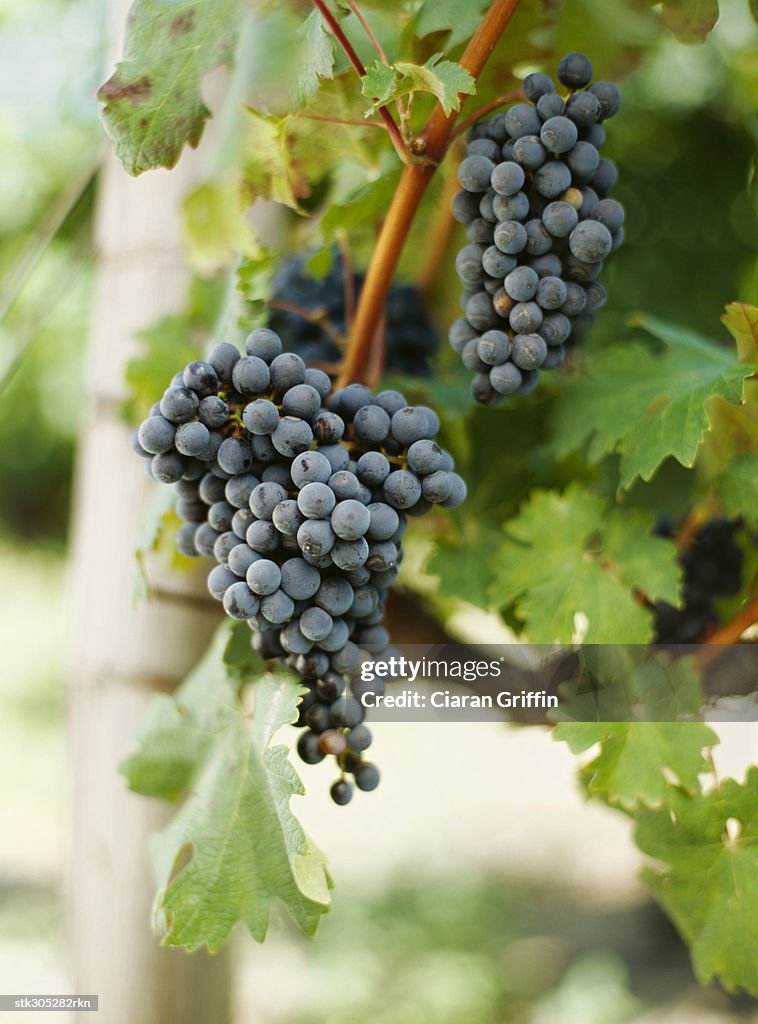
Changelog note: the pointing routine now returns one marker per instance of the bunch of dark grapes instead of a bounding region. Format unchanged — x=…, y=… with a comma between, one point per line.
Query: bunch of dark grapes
x=411, y=337
x=712, y=564
x=539, y=223
x=301, y=495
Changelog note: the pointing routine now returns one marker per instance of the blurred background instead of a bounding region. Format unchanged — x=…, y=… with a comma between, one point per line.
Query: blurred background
x=474, y=886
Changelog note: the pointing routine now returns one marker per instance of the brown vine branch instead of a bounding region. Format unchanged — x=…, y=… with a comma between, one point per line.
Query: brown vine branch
x=509, y=97
x=431, y=145
x=389, y=122
x=713, y=647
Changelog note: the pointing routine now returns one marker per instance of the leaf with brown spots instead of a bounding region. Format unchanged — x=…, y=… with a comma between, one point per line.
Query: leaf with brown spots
x=152, y=104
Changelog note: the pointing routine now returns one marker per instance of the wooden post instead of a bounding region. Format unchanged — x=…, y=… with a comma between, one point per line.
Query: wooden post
x=122, y=653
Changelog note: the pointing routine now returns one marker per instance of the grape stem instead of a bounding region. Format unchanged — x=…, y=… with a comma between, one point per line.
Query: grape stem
x=477, y=115
x=430, y=148
x=394, y=132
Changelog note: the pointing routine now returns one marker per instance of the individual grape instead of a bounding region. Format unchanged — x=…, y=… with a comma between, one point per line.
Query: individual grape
x=315, y=624
x=538, y=240
x=594, y=134
x=510, y=207
x=241, y=521
x=558, y=134
x=168, y=467
x=264, y=499
x=435, y=488
x=537, y=85
x=240, y=558
x=502, y=304
x=560, y=219
x=179, y=405
x=505, y=379
x=213, y=412
x=525, y=318
x=238, y=490
x=409, y=424
x=316, y=500
x=211, y=489
x=401, y=489
x=327, y=427
x=522, y=119
x=474, y=173
x=484, y=147
x=366, y=776
x=584, y=109
x=205, y=538
x=575, y=71
x=510, y=238
x=219, y=580
x=341, y=792
x=277, y=607
x=309, y=750
x=521, y=284
x=292, y=436
x=576, y=299
x=590, y=241
x=201, y=378
x=547, y=265
x=610, y=213
x=346, y=484
x=596, y=296
x=234, y=456
x=336, y=455
x=603, y=179
x=589, y=200
x=529, y=381
x=350, y=554
x=479, y=232
x=191, y=509
x=384, y=520
x=552, y=179
x=250, y=375
x=465, y=206
x=220, y=516
x=426, y=456
x=608, y=96
x=319, y=381
x=240, y=602
x=301, y=401
x=549, y=105
x=372, y=469
x=492, y=348
x=529, y=351
x=350, y=519
x=486, y=209
x=192, y=438
x=555, y=329
x=223, y=546
x=287, y=370
x=222, y=358
x=264, y=344
x=156, y=435
x=578, y=270
x=316, y=537
x=507, y=178
x=468, y=265
x=529, y=152
x=263, y=576
x=299, y=580
x=583, y=160
x=335, y=595
x=185, y=539
x=551, y=293
x=263, y=537
x=496, y=263
x=555, y=357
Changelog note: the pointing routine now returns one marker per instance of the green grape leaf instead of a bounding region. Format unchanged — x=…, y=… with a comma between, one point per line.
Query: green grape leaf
x=707, y=876
x=153, y=104
x=570, y=569
x=234, y=846
x=443, y=78
x=462, y=563
x=631, y=683
x=215, y=227
x=741, y=320
x=269, y=168
x=636, y=757
x=690, y=20
x=316, y=56
x=177, y=730
x=663, y=400
x=458, y=17
x=738, y=489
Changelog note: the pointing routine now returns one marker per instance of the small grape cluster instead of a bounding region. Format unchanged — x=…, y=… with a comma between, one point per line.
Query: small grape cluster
x=301, y=494
x=539, y=225
x=712, y=564
x=411, y=338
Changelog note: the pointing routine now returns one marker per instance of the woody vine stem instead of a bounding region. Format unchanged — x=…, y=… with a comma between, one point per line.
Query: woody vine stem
x=421, y=158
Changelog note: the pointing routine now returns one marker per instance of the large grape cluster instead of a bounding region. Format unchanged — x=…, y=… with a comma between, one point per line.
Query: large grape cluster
x=712, y=564
x=539, y=224
x=301, y=495
x=411, y=339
